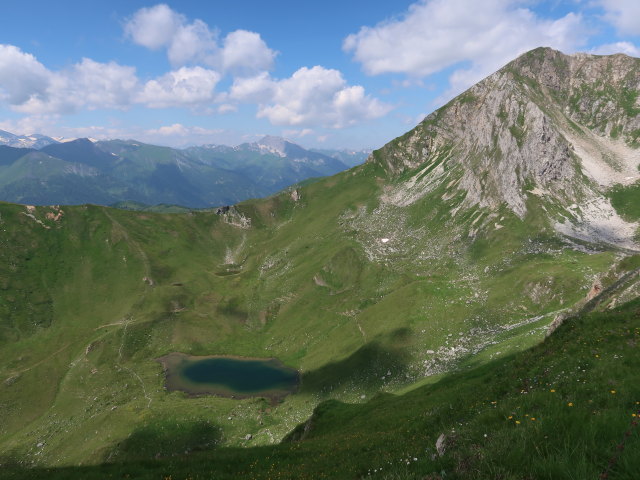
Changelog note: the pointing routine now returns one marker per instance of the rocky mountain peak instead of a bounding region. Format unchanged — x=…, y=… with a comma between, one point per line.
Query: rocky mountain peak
x=25, y=141
x=560, y=127
x=272, y=144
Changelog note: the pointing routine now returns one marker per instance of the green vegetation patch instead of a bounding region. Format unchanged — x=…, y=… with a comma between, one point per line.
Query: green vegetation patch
x=626, y=201
x=565, y=409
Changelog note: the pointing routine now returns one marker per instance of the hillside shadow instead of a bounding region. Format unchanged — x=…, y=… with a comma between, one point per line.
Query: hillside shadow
x=166, y=438
x=369, y=368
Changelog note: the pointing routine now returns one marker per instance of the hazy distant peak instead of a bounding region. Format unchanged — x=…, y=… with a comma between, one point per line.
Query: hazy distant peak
x=274, y=145
x=25, y=141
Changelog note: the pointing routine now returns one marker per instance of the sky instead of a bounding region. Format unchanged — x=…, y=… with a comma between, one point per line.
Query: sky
x=332, y=74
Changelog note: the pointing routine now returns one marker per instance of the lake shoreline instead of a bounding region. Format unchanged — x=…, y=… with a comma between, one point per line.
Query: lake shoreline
x=196, y=376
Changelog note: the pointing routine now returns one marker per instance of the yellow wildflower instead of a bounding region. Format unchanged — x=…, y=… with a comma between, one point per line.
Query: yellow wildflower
x=570, y=404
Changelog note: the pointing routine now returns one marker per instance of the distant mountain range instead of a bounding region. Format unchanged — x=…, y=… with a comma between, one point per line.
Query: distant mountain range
x=25, y=141
x=41, y=170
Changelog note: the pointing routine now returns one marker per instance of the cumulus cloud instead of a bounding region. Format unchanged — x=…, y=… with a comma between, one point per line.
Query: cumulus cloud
x=311, y=96
x=103, y=85
x=181, y=130
x=182, y=135
x=195, y=43
x=22, y=76
x=624, y=15
x=188, y=86
x=175, y=129
x=437, y=34
x=32, y=124
x=29, y=87
x=154, y=27
x=227, y=108
x=243, y=49
x=291, y=133
x=254, y=89
x=627, y=48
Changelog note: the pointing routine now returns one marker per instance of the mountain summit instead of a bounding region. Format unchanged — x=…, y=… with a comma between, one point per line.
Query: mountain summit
x=562, y=128
x=277, y=145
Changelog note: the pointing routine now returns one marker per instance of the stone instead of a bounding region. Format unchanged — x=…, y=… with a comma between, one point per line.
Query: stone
x=440, y=444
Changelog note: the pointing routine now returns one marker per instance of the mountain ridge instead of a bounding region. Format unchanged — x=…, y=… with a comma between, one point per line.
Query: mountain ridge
x=502, y=141
x=107, y=172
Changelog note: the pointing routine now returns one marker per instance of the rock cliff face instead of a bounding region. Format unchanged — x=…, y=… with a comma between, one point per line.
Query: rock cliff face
x=560, y=127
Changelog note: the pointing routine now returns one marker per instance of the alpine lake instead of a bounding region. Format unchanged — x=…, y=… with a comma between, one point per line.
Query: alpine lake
x=234, y=377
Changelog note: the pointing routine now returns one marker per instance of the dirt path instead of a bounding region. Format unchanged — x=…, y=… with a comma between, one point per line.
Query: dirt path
x=361, y=330
x=135, y=245
x=129, y=319
x=131, y=371
x=20, y=372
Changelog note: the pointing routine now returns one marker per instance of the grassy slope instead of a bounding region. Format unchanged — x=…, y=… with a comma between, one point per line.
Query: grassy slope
x=297, y=285
x=566, y=409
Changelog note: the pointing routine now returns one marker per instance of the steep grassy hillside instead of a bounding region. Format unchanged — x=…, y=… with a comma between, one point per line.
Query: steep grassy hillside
x=566, y=409
x=94, y=295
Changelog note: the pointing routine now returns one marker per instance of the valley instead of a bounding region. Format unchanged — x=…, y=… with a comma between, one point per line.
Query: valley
x=414, y=293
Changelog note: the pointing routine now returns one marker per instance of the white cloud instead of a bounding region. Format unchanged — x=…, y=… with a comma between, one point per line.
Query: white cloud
x=22, y=77
x=175, y=129
x=161, y=27
x=627, y=48
x=438, y=34
x=311, y=96
x=188, y=86
x=53, y=125
x=227, y=108
x=293, y=133
x=103, y=85
x=31, y=124
x=154, y=27
x=245, y=51
x=181, y=135
x=255, y=89
x=195, y=43
x=623, y=14
x=29, y=87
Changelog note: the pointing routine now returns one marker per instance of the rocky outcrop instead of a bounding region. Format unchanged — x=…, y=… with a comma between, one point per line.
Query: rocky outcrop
x=562, y=128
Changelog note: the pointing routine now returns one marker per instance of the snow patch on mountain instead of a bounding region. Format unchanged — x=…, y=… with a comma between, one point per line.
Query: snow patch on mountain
x=35, y=140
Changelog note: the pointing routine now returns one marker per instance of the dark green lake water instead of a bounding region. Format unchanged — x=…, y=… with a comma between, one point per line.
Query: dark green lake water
x=226, y=376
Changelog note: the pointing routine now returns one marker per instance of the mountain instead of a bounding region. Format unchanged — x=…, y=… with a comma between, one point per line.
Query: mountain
x=106, y=172
x=452, y=297
x=272, y=162
x=25, y=141
x=350, y=158
x=548, y=133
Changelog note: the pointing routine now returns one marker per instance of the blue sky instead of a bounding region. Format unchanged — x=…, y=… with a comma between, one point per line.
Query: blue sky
x=334, y=74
